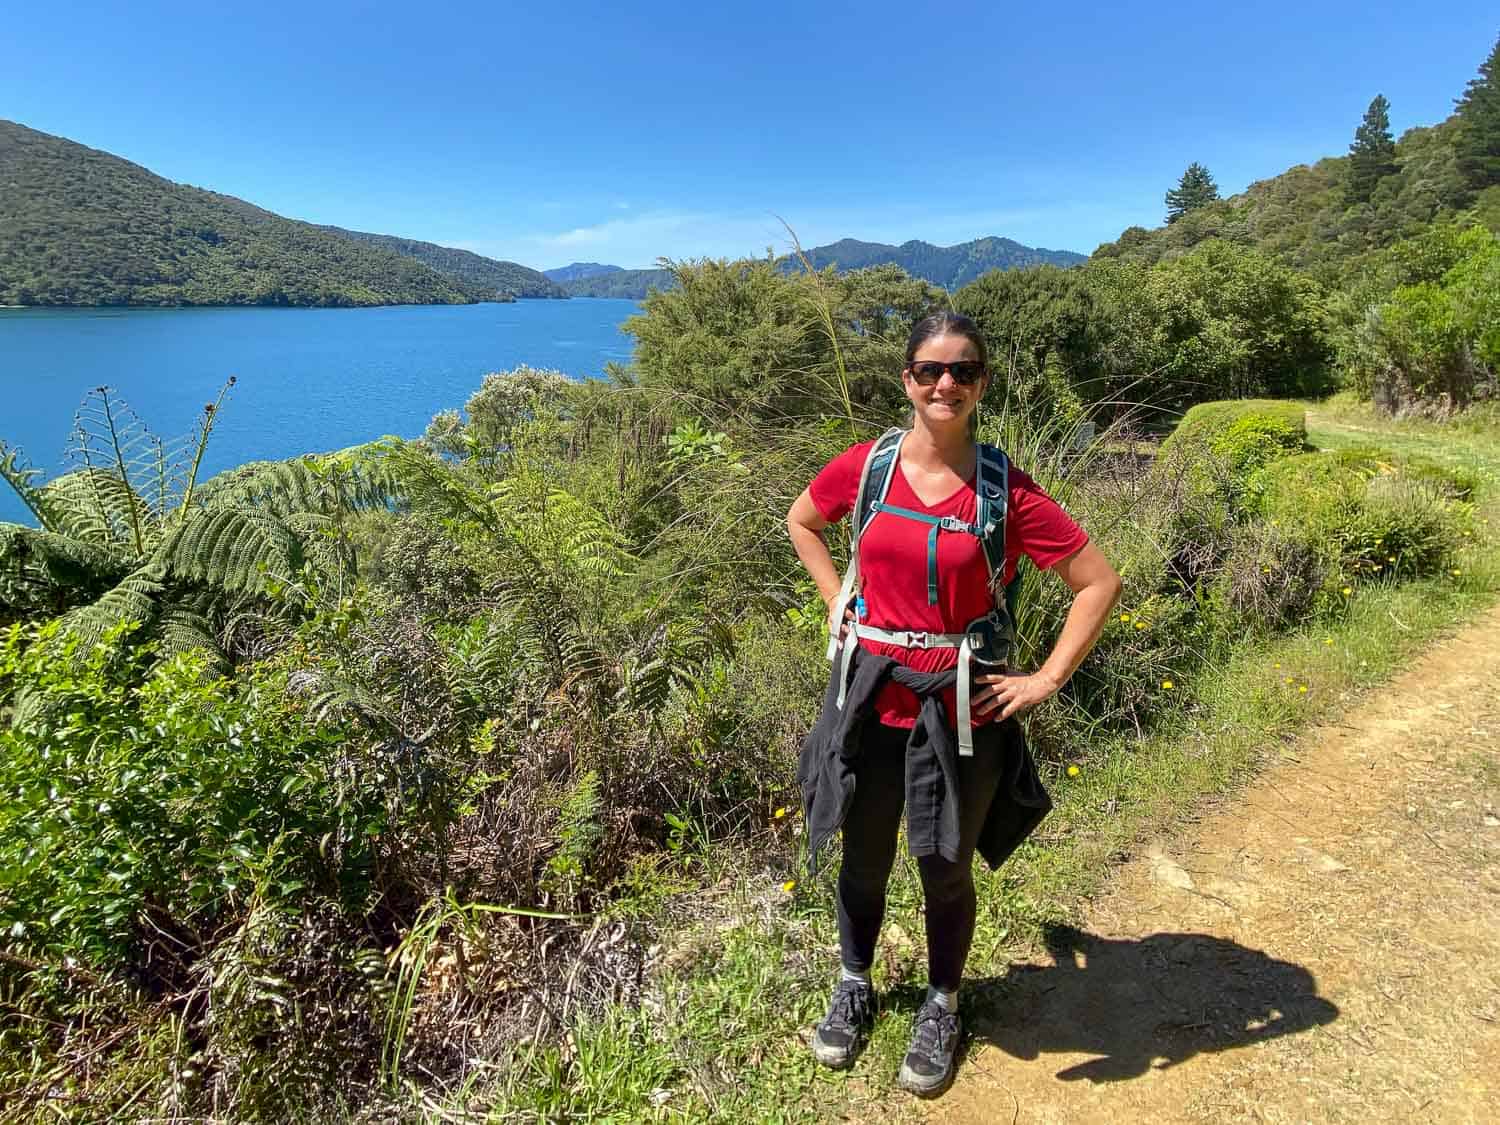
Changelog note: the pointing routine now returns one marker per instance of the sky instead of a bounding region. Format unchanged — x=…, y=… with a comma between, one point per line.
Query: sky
x=547, y=133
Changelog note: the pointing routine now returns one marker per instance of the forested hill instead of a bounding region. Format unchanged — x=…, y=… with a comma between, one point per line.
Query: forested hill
x=577, y=270
x=629, y=284
x=486, y=279
x=1317, y=219
x=947, y=266
x=83, y=227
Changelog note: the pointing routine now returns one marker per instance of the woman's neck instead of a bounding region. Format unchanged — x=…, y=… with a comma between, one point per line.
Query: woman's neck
x=952, y=446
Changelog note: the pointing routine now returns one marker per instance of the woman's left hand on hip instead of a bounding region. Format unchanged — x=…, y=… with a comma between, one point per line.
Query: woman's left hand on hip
x=1012, y=692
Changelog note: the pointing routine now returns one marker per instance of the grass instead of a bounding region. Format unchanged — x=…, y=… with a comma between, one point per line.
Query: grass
x=738, y=987
x=1471, y=441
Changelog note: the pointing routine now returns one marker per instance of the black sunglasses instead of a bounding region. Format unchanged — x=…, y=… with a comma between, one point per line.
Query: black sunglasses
x=965, y=372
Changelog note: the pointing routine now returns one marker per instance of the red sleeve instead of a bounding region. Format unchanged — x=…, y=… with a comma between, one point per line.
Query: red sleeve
x=834, y=487
x=1041, y=530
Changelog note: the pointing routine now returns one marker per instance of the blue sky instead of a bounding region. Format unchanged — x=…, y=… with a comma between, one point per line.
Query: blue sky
x=553, y=132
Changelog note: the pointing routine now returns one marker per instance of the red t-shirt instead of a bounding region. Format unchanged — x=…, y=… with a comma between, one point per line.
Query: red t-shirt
x=893, y=564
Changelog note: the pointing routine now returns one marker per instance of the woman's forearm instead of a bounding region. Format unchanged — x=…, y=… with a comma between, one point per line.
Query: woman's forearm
x=804, y=524
x=1081, y=629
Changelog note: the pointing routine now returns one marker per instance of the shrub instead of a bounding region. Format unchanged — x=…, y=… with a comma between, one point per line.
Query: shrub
x=1362, y=516
x=1244, y=433
x=139, y=809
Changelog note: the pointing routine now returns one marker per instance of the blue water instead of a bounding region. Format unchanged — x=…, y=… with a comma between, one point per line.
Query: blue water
x=307, y=379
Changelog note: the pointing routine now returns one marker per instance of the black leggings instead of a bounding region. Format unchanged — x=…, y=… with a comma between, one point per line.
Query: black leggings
x=870, y=850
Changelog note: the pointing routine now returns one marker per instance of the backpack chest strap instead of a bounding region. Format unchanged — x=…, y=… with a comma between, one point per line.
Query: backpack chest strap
x=936, y=523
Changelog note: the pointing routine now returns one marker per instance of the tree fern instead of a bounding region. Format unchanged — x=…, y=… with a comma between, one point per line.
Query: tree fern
x=167, y=552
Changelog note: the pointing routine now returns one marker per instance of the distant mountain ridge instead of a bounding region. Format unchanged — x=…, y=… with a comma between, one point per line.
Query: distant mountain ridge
x=627, y=284
x=949, y=267
x=946, y=266
x=486, y=279
x=79, y=226
x=579, y=270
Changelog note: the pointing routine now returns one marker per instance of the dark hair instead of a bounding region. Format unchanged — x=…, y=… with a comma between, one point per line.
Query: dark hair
x=946, y=324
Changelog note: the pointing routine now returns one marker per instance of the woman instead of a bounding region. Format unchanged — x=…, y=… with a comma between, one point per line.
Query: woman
x=916, y=578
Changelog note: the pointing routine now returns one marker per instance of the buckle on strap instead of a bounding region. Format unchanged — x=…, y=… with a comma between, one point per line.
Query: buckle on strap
x=953, y=523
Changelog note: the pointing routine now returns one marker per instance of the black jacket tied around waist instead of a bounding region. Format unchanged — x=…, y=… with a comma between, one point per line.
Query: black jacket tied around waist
x=825, y=769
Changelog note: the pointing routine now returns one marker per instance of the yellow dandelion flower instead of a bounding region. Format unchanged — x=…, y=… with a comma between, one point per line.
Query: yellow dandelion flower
x=789, y=886
x=1458, y=574
x=1167, y=685
x=1302, y=689
x=1140, y=624
x=779, y=813
x=1125, y=617
x=1328, y=640
x=1276, y=665
x=1073, y=771
x=1348, y=590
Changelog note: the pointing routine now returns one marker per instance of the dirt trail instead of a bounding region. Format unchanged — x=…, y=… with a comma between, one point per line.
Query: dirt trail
x=1322, y=947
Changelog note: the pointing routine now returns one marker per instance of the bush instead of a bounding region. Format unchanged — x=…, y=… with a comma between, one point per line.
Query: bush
x=142, y=808
x=1362, y=516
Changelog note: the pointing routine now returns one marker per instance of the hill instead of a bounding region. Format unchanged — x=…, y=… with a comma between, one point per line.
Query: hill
x=83, y=227
x=628, y=284
x=1304, y=218
x=486, y=279
x=947, y=266
x=578, y=270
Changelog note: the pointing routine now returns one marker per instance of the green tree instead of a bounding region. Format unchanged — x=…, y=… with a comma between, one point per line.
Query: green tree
x=1042, y=329
x=1196, y=189
x=1478, y=114
x=1372, y=156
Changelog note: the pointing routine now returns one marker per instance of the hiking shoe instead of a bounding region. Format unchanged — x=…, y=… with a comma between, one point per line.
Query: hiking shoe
x=837, y=1041
x=928, y=1067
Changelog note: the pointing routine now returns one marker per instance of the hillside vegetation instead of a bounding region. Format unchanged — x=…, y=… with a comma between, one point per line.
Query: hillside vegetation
x=429, y=741
x=81, y=227
x=486, y=279
x=576, y=270
x=630, y=285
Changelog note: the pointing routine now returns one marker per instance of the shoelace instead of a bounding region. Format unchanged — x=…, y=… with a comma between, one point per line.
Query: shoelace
x=850, y=1006
x=935, y=1028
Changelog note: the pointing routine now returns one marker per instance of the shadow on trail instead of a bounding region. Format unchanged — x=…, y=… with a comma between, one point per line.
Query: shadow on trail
x=1139, y=1004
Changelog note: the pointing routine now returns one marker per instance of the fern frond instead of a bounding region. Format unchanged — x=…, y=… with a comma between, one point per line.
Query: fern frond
x=110, y=442
x=43, y=572
x=137, y=598
x=95, y=506
x=21, y=479
x=275, y=486
x=430, y=485
x=231, y=549
x=348, y=481
x=181, y=628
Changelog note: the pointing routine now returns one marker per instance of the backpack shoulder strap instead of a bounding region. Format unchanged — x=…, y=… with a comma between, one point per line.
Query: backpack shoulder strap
x=991, y=505
x=875, y=480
